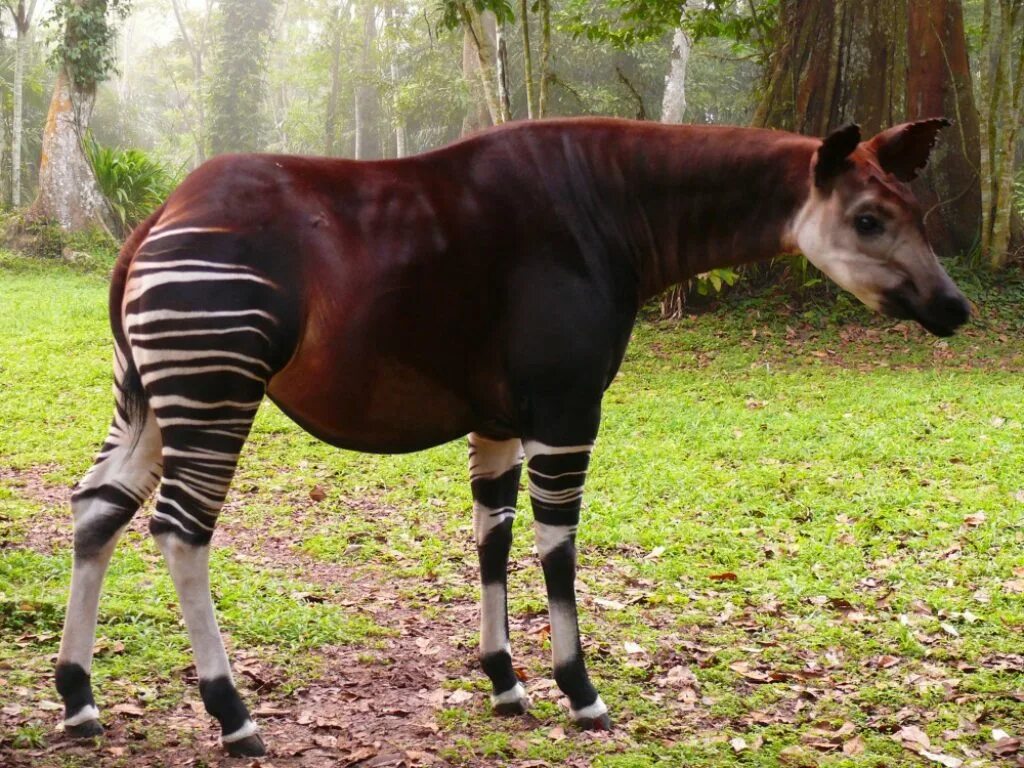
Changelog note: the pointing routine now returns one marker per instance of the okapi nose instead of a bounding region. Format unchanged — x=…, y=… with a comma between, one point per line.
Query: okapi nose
x=952, y=309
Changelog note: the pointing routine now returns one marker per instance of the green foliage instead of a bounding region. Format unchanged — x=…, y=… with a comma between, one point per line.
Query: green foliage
x=238, y=84
x=84, y=36
x=626, y=23
x=133, y=182
x=450, y=12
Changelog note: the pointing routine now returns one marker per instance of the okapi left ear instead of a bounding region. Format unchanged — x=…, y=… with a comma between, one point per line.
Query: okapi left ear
x=831, y=158
x=903, y=150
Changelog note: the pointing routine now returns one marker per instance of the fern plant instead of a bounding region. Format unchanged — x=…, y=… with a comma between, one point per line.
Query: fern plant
x=133, y=183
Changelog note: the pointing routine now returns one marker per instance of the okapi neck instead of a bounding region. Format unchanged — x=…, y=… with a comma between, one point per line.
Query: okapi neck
x=681, y=200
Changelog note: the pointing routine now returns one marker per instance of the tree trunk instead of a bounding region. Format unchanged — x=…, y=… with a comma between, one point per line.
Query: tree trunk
x=524, y=13
x=881, y=62
x=545, y=56
x=368, y=143
x=673, y=104
x=479, y=42
x=504, y=97
x=401, y=140
x=68, y=193
x=333, y=97
x=196, y=50
x=22, y=24
x=18, y=120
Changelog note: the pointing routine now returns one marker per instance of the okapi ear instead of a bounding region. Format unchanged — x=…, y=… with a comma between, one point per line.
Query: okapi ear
x=903, y=150
x=831, y=159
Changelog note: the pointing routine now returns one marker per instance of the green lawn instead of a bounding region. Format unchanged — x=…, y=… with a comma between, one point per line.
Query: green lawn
x=804, y=531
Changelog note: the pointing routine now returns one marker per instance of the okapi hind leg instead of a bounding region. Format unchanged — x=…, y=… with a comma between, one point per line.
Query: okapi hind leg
x=556, y=477
x=103, y=503
x=494, y=471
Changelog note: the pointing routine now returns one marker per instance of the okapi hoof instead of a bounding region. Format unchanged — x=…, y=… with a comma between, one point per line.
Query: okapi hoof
x=592, y=718
x=89, y=729
x=249, y=746
x=511, y=703
x=599, y=723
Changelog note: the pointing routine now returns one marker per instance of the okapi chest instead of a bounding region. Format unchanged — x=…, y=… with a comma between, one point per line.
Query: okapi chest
x=486, y=289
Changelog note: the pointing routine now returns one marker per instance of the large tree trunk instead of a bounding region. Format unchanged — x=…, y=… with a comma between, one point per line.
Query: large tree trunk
x=880, y=62
x=68, y=193
x=1002, y=111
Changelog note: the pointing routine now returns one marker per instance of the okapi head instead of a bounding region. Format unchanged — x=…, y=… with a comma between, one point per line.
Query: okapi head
x=863, y=227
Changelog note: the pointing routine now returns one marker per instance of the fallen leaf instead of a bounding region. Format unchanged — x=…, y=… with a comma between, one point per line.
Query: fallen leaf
x=998, y=734
x=738, y=744
x=974, y=520
x=912, y=737
x=853, y=747
x=460, y=697
x=611, y=605
x=947, y=760
x=132, y=710
x=633, y=649
x=557, y=733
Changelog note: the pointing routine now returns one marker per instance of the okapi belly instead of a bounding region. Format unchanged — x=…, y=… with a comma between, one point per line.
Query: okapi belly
x=392, y=408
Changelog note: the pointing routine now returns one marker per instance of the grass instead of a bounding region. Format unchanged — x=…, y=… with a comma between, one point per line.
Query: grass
x=817, y=514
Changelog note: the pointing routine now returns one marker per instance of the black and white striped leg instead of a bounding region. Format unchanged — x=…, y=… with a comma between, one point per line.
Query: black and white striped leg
x=494, y=470
x=202, y=355
x=198, y=466
x=103, y=503
x=556, y=475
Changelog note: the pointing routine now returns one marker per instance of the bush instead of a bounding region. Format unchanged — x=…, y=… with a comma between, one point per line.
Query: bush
x=133, y=183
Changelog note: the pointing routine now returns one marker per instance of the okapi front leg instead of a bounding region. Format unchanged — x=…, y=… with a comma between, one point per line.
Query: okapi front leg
x=494, y=471
x=557, y=475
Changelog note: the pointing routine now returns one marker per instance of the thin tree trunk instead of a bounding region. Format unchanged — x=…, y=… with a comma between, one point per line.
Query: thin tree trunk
x=480, y=30
x=673, y=104
x=23, y=23
x=401, y=140
x=545, y=56
x=504, y=98
x=196, y=51
x=524, y=14
x=331, y=118
x=368, y=144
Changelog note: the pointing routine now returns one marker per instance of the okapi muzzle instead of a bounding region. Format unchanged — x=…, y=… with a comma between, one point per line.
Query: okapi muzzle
x=863, y=227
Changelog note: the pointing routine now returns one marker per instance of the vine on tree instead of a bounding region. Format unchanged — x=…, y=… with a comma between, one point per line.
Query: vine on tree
x=83, y=33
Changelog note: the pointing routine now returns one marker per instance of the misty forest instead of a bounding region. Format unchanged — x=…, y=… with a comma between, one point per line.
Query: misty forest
x=802, y=539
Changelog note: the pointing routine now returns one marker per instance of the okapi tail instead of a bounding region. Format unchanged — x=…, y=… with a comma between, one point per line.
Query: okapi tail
x=131, y=396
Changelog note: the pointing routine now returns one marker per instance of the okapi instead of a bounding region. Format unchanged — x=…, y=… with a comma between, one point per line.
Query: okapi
x=486, y=289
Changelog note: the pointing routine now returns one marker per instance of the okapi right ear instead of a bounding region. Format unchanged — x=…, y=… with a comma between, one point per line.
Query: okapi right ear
x=831, y=158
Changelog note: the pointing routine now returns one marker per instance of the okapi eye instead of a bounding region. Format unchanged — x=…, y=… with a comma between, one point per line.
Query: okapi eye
x=868, y=225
